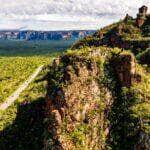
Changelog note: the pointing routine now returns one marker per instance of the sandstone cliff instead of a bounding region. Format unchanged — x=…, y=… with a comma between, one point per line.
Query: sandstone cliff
x=90, y=102
x=98, y=97
x=77, y=103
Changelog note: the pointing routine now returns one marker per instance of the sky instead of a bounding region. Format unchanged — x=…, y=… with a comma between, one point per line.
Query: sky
x=64, y=14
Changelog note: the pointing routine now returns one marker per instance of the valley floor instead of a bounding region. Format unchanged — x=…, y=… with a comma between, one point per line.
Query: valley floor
x=21, y=124
x=21, y=88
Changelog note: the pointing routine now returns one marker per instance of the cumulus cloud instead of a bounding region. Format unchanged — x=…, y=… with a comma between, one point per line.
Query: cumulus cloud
x=64, y=14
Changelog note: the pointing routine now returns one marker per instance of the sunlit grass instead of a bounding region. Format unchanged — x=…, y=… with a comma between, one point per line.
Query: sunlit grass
x=15, y=70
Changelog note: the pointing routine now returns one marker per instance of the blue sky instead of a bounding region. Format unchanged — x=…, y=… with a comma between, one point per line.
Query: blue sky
x=64, y=14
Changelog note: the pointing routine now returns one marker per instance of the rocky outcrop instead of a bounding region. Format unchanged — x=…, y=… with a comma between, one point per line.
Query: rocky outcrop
x=141, y=16
x=87, y=105
x=96, y=96
x=125, y=68
x=76, y=109
x=127, y=18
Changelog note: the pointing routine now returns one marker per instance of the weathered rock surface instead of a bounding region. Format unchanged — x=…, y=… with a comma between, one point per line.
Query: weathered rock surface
x=93, y=105
x=125, y=67
x=76, y=112
x=80, y=101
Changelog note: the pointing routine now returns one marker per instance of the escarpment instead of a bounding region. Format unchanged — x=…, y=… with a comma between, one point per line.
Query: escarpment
x=92, y=101
x=77, y=103
x=98, y=97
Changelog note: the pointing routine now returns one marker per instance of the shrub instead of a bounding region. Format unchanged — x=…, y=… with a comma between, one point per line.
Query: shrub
x=144, y=57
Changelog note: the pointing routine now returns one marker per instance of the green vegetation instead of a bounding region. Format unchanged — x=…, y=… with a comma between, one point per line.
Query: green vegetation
x=32, y=48
x=21, y=125
x=19, y=59
x=120, y=118
x=129, y=113
x=123, y=34
x=15, y=70
x=144, y=57
x=78, y=136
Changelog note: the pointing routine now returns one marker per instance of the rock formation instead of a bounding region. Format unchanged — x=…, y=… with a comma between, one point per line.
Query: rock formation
x=141, y=16
x=127, y=18
x=77, y=113
x=96, y=97
x=125, y=68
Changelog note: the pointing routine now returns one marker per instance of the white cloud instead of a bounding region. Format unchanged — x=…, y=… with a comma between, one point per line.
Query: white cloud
x=64, y=14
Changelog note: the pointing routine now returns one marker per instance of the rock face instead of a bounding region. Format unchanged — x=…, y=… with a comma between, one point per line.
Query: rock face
x=143, y=10
x=97, y=106
x=75, y=111
x=87, y=101
x=124, y=66
x=141, y=16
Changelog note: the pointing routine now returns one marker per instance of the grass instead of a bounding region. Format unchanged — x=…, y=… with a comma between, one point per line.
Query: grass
x=19, y=59
x=15, y=70
x=21, y=125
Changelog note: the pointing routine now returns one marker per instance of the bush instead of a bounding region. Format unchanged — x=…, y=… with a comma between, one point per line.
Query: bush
x=144, y=57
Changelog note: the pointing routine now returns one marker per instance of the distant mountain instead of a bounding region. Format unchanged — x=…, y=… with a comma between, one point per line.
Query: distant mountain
x=43, y=35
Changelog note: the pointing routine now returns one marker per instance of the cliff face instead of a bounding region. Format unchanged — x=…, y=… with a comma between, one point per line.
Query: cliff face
x=92, y=101
x=76, y=105
x=98, y=97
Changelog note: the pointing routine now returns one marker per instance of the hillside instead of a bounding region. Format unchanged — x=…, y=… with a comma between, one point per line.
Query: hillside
x=127, y=34
x=98, y=93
